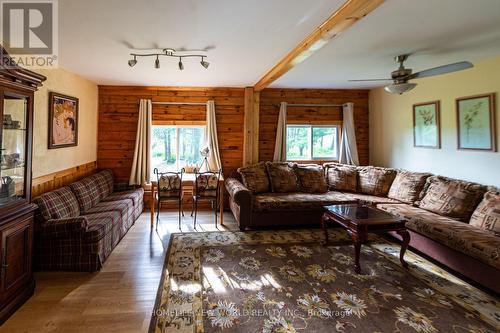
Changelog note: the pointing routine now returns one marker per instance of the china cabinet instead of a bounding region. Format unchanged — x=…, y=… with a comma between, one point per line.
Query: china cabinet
x=17, y=88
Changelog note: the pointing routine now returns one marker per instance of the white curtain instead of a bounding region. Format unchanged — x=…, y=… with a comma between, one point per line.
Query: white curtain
x=211, y=141
x=280, y=145
x=348, y=148
x=141, y=167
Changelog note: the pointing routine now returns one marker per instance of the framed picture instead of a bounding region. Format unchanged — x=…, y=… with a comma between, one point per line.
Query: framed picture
x=426, y=125
x=476, y=122
x=63, y=121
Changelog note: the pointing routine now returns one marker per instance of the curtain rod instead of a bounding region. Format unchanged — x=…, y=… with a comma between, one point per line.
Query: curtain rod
x=177, y=103
x=312, y=105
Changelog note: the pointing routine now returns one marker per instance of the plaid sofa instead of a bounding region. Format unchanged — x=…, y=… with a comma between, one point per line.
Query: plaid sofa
x=77, y=226
x=455, y=222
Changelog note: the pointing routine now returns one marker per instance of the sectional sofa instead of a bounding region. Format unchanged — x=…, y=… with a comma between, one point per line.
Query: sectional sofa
x=77, y=226
x=455, y=222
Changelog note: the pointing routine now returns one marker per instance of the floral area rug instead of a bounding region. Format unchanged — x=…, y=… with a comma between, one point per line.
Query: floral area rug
x=286, y=281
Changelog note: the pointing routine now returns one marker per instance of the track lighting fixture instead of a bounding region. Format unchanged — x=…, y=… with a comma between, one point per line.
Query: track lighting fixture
x=132, y=62
x=204, y=63
x=168, y=52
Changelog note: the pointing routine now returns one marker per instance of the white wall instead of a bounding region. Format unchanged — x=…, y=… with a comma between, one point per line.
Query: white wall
x=46, y=161
x=391, y=126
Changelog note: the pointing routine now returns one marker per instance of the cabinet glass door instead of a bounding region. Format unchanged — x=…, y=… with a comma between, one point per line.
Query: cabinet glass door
x=13, y=149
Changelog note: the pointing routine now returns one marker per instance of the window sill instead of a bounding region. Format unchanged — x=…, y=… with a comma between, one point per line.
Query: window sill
x=313, y=161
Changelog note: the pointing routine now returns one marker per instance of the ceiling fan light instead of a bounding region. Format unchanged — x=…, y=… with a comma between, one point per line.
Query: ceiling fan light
x=157, y=63
x=132, y=62
x=399, y=88
x=204, y=63
x=181, y=65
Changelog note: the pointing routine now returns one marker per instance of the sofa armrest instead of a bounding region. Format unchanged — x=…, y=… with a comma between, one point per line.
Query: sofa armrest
x=238, y=192
x=64, y=227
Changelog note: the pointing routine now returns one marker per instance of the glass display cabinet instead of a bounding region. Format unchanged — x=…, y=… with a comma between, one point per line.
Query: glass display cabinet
x=17, y=88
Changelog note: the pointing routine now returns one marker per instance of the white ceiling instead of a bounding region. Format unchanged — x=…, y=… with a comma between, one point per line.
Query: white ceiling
x=246, y=38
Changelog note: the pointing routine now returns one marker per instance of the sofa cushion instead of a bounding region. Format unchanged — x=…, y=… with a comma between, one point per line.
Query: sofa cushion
x=101, y=224
x=375, y=181
x=58, y=204
x=104, y=181
x=407, y=186
x=282, y=177
x=369, y=199
x=135, y=195
x=297, y=201
x=255, y=177
x=86, y=193
x=452, y=198
x=341, y=177
x=311, y=178
x=487, y=214
x=463, y=237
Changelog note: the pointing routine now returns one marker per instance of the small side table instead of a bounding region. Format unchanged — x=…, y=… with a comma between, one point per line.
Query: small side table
x=360, y=220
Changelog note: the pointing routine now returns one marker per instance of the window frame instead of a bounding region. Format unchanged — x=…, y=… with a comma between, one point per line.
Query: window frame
x=311, y=158
x=178, y=125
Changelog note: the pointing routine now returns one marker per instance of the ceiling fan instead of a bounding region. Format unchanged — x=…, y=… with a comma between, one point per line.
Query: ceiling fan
x=402, y=75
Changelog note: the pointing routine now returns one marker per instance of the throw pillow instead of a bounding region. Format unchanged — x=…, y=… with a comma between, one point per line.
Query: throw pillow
x=255, y=178
x=311, y=178
x=407, y=186
x=341, y=177
x=375, y=181
x=452, y=198
x=487, y=214
x=282, y=176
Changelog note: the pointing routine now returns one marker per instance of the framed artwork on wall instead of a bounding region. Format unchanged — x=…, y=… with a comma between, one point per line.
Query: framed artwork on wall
x=426, y=125
x=63, y=121
x=476, y=122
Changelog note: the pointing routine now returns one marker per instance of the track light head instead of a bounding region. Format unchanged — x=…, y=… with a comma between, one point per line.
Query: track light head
x=157, y=63
x=181, y=65
x=204, y=63
x=132, y=62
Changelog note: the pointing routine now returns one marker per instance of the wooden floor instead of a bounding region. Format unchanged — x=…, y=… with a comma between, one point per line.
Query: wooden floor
x=120, y=297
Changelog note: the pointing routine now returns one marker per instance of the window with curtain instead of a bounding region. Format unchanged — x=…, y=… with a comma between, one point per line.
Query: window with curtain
x=175, y=146
x=312, y=142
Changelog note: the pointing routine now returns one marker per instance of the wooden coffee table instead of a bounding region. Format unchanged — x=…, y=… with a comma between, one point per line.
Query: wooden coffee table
x=360, y=220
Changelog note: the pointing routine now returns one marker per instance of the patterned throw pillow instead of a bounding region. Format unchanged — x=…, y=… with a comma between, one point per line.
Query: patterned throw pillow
x=311, y=178
x=341, y=177
x=487, y=214
x=375, y=181
x=453, y=198
x=407, y=186
x=255, y=178
x=282, y=176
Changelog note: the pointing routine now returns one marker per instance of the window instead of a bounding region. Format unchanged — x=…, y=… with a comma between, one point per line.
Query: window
x=173, y=147
x=312, y=142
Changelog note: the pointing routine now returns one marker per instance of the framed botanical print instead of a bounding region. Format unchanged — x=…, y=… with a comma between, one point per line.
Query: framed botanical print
x=426, y=125
x=476, y=122
x=63, y=121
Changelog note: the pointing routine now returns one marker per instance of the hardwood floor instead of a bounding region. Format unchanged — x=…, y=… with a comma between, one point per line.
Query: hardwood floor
x=121, y=296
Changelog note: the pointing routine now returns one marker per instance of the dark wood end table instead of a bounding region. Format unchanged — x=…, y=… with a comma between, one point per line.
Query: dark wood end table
x=360, y=220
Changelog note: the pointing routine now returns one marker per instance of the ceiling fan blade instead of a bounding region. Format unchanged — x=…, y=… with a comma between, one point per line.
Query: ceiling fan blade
x=370, y=80
x=458, y=66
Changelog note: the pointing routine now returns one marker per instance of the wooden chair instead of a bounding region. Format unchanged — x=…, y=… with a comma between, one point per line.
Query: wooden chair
x=206, y=188
x=169, y=190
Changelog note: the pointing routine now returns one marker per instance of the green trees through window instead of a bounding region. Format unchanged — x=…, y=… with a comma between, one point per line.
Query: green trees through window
x=174, y=147
x=310, y=142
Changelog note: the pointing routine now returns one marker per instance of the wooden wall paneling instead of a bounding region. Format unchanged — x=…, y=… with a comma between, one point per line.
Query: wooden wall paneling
x=61, y=178
x=269, y=110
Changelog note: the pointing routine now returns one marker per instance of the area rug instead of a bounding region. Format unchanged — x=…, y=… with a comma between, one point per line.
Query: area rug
x=286, y=281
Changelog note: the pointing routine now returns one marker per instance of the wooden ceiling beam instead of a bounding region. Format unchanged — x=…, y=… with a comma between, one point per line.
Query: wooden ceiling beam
x=347, y=15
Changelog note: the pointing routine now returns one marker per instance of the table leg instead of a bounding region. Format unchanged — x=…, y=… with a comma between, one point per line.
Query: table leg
x=404, y=245
x=358, y=240
x=221, y=204
x=152, y=205
x=323, y=226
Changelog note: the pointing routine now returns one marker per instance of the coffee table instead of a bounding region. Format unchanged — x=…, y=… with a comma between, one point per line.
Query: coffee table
x=360, y=220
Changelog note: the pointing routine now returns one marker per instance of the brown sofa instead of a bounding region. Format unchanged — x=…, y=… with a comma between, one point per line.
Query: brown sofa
x=77, y=226
x=452, y=221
